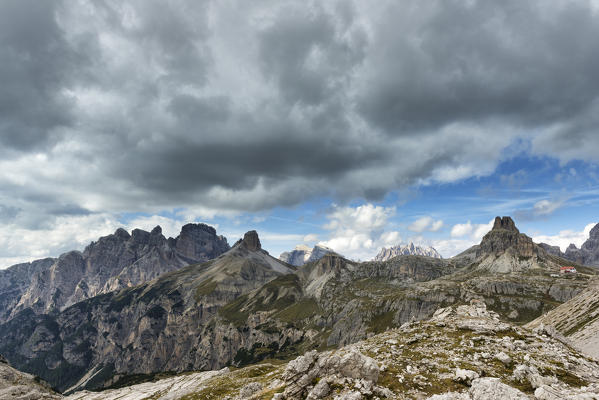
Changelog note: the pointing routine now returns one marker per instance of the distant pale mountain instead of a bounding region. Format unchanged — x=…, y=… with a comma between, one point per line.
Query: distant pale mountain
x=302, y=254
x=588, y=254
x=407, y=250
x=112, y=262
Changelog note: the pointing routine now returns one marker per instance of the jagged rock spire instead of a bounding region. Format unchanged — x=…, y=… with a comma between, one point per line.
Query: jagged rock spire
x=251, y=241
x=506, y=223
x=505, y=236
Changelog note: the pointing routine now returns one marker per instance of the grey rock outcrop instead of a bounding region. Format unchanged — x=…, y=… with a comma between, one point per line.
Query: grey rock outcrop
x=553, y=250
x=111, y=263
x=15, y=280
x=407, y=250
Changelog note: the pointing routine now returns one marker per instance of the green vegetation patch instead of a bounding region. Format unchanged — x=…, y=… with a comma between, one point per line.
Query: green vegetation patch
x=381, y=322
x=305, y=308
x=232, y=311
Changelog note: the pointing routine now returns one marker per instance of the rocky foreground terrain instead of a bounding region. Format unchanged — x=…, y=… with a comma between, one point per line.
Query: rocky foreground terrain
x=461, y=353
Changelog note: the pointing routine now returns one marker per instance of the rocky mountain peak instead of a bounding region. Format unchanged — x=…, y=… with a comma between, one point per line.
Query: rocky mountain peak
x=191, y=228
x=506, y=223
x=157, y=230
x=251, y=241
x=594, y=234
x=503, y=237
x=122, y=234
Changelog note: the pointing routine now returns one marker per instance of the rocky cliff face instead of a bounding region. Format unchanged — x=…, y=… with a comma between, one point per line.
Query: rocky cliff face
x=409, y=249
x=15, y=280
x=303, y=254
x=113, y=262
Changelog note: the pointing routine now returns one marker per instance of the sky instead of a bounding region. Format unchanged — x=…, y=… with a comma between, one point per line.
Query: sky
x=352, y=124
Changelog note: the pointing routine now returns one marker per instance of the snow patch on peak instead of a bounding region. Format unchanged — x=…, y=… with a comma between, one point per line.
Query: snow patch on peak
x=409, y=249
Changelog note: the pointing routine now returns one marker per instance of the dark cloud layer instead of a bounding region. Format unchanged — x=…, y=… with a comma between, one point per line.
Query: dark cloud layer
x=143, y=105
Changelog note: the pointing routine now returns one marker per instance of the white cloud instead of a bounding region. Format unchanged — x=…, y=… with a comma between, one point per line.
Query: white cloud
x=426, y=223
x=66, y=233
x=358, y=232
x=565, y=237
x=435, y=226
x=451, y=247
x=547, y=207
x=170, y=227
x=463, y=236
x=312, y=237
x=460, y=230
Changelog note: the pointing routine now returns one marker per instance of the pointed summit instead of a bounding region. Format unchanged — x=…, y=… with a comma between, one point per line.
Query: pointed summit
x=506, y=223
x=503, y=237
x=251, y=241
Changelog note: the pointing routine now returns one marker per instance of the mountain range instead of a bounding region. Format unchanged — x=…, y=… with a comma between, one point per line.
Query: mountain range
x=409, y=249
x=113, y=262
x=243, y=306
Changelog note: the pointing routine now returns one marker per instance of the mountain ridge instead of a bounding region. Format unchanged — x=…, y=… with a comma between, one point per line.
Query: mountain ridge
x=409, y=249
x=112, y=262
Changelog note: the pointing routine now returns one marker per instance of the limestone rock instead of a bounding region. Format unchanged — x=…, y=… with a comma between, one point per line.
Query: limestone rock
x=249, y=390
x=465, y=375
x=504, y=358
x=494, y=389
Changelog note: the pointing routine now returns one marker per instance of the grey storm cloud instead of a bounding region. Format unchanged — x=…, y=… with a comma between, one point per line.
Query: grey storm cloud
x=149, y=104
